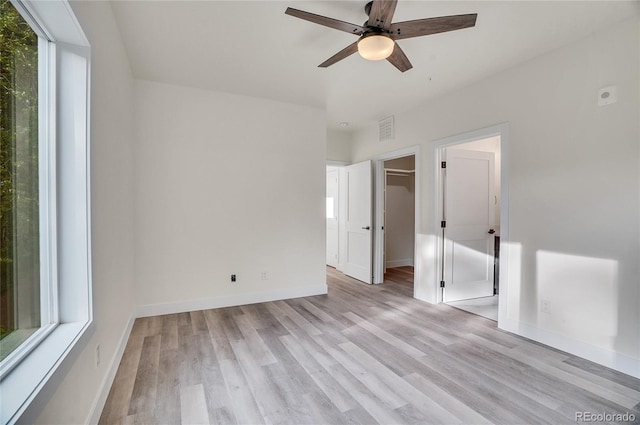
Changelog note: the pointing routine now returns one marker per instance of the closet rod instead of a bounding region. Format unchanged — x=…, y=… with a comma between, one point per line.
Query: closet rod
x=399, y=171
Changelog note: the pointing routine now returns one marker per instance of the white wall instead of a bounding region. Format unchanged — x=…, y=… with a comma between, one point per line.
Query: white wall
x=73, y=392
x=573, y=172
x=338, y=145
x=226, y=184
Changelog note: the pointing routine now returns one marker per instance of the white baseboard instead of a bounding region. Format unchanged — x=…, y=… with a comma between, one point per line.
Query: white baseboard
x=229, y=300
x=399, y=263
x=107, y=382
x=611, y=359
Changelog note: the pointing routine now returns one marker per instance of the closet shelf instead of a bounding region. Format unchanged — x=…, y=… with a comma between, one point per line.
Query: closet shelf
x=398, y=172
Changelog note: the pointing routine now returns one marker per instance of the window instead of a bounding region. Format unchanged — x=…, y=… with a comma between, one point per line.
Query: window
x=45, y=270
x=20, y=298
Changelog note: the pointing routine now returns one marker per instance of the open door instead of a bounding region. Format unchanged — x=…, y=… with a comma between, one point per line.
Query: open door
x=358, y=221
x=469, y=207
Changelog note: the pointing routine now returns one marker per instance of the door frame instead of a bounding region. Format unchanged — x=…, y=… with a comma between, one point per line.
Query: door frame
x=378, y=209
x=336, y=211
x=341, y=210
x=438, y=154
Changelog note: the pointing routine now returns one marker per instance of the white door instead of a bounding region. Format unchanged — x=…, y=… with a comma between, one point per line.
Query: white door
x=358, y=221
x=332, y=216
x=469, y=207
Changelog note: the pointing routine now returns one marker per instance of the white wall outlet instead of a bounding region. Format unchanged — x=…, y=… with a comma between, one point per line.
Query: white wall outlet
x=264, y=276
x=545, y=306
x=607, y=95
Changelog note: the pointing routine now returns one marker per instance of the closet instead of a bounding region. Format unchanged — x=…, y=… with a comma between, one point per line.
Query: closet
x=399, y=212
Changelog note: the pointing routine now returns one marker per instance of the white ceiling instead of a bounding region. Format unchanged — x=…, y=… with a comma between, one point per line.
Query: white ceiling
x=253, y=48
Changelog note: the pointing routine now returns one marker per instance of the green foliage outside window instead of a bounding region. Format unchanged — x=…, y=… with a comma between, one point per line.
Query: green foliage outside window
x=19, y=207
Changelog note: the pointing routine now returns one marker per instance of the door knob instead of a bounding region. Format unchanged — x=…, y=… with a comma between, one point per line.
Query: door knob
x=366, y=228
x=491, y=231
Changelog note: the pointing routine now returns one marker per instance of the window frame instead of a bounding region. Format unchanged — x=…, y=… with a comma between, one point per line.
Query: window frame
x=47, y=197
x=65, y=215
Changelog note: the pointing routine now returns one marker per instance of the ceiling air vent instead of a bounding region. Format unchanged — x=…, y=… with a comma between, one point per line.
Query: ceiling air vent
x=387, y=131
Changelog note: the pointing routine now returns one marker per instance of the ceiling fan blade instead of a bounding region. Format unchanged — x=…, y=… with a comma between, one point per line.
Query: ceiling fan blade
x=381, y=13
x=399, y=59
x=346, y=52
x=420, y=27
x=327, y=22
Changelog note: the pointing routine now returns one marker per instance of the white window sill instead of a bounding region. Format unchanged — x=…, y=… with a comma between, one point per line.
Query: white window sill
x=12, y=341
x=22, y=384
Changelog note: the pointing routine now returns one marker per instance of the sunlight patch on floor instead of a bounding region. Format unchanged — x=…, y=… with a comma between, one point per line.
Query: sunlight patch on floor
x=485, y=306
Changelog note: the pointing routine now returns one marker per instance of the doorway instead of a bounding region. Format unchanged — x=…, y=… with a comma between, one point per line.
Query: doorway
x=469, y=216
x=364, y=224
x=349, y=226
x=380, y=255
x=398, y=219
x=332, y=215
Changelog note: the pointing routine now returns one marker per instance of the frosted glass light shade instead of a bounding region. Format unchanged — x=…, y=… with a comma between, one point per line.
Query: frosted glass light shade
x=375, y=47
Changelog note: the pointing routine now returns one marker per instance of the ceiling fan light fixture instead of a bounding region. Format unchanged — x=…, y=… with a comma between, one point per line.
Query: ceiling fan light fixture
x=375, y=47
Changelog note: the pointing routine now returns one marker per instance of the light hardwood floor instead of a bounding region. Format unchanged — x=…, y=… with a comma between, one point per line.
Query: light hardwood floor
x=361, y=354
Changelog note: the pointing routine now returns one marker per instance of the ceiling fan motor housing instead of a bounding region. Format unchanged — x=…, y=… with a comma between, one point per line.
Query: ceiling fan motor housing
x=367, y=8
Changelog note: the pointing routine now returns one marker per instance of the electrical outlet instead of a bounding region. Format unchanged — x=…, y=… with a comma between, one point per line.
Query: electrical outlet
x=545, y=306
x=264, y=276
x=233, y=278
x=97, y=355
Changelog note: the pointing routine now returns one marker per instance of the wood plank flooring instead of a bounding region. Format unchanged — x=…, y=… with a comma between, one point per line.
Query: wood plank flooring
x=360, y=355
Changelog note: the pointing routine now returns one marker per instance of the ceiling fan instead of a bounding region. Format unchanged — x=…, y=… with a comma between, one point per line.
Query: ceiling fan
x=378, y=35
